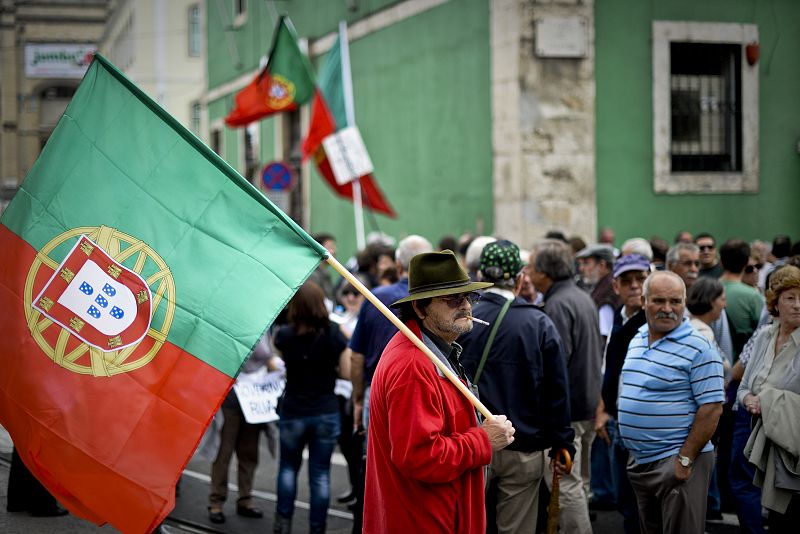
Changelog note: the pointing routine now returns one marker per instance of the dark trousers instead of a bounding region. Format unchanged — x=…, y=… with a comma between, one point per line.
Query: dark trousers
x=746, y=495
x=25, y=492
x=240, y=437
x=358, y=489
x=603, y=481
x=666, y=505
x=626, y=499
x=349, y=444
x=786, y=523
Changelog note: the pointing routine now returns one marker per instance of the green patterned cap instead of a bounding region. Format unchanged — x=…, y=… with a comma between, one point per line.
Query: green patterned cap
x=500, y=260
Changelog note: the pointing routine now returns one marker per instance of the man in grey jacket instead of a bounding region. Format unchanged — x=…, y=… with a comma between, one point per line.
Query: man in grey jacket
x=575, y=316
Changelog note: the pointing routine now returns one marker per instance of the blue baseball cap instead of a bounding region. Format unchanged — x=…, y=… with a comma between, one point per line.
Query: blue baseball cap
x=631, y=262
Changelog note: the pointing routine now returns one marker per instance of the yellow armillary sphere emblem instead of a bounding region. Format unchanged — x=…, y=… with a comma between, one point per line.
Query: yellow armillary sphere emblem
x=280, y=92
x=53, y=291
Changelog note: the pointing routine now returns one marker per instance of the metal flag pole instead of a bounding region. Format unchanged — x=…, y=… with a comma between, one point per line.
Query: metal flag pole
x=333, y=262
x=347, y=86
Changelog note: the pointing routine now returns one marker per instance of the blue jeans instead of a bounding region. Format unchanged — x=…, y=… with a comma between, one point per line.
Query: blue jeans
x=604, y=481
x=320, y=433
x=626, y=499
x=746, y=495
x=714, y=497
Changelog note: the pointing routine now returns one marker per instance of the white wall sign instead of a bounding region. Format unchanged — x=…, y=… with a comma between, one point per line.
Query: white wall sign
x=562, y=37
x=347, y=155
x=58, y=60
x=258, y=394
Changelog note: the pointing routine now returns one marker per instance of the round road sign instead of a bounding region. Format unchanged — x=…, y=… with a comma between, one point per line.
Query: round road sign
x=277, y=176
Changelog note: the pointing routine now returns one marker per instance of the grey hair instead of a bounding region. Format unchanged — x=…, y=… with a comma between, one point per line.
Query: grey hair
x=472, y=257
x=673, y=254
x=661, y=274
x=502, y=283
x=553, y=258
x=637, y=245
x=410, y=247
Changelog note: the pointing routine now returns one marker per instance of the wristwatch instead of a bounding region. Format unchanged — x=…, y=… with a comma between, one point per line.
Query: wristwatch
x=685, y=461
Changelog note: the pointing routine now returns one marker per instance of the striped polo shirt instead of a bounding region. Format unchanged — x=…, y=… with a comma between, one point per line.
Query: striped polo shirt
x=661, y=387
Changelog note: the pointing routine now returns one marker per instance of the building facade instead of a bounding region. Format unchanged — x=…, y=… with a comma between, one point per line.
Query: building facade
x=698, y=122
x=45, y=48
x=516, y=117
x=160, y=46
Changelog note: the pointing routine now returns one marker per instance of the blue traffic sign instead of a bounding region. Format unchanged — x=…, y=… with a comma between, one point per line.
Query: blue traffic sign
x=277, y=176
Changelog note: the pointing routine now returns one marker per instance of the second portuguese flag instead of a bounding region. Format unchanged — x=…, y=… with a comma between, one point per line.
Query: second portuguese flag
x=283, y=85
x=138, y=270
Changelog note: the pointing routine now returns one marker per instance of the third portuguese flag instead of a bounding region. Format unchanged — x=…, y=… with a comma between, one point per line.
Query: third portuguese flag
x=138, y=271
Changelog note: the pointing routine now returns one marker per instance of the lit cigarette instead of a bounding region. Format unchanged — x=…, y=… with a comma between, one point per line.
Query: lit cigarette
x=479, y=321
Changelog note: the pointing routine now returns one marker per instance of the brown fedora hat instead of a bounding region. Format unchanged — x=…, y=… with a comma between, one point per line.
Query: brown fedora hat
x=436, y=274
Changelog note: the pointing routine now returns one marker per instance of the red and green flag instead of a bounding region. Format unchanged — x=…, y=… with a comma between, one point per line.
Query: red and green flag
x=283, y=85
x=328, y=116
x=138, y=271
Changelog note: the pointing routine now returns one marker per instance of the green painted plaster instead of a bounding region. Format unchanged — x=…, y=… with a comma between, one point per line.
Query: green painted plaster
x=625, y=196
x=422, y=103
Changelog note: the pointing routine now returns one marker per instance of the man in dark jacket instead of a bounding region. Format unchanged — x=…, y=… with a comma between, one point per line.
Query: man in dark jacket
x=523, y=375
x=575, y=316
x=630, y=272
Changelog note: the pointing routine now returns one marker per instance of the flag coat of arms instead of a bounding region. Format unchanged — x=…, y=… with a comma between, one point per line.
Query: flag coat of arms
x=138, y=272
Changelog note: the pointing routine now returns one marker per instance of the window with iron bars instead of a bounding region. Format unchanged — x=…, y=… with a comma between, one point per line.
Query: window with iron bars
x=705, y=107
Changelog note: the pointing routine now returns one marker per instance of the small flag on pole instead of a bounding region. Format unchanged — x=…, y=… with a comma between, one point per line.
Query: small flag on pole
x=283, y=85
x=138, y=272
x=327, y=117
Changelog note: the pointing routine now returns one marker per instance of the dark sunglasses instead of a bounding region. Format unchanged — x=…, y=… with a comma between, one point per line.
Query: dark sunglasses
x=351, y=292
x=454, y=302
x=706, y=247
x=750, y=269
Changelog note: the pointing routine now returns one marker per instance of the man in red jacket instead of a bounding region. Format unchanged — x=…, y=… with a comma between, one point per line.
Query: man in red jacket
x=426, y=450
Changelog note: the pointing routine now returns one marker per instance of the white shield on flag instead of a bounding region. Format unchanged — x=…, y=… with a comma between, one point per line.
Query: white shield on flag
x=98, y=300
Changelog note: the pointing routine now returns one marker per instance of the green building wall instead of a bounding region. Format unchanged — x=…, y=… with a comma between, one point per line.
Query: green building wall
x=625, y=196
x=422, y=102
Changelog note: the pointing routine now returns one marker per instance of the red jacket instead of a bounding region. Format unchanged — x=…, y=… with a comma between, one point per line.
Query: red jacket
x=426, y=454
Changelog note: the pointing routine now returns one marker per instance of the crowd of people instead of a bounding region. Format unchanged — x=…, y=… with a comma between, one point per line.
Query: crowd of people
x=632, y=360
x=661, y=381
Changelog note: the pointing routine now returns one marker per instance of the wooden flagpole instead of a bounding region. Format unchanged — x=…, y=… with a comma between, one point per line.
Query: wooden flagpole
x=333, y=262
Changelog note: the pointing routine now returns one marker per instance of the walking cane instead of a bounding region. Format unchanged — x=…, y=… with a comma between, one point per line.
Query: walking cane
x=552, y=507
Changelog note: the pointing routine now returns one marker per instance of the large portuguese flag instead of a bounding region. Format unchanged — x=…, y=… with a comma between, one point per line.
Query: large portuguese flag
x=137, y=272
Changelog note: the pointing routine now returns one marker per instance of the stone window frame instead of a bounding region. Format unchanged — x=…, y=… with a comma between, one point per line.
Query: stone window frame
x=664, y=180
x=194, y=45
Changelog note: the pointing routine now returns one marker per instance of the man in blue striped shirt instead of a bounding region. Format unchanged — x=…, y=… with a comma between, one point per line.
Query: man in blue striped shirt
x=669, y=404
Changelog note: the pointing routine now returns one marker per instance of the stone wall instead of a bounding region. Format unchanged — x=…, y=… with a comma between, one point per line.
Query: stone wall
x=543, y=125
